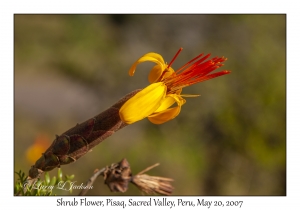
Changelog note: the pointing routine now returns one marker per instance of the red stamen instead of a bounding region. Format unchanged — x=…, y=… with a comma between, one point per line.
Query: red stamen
x=196, y=70
x=197, y=62
x=210, y=76
x=175, y=57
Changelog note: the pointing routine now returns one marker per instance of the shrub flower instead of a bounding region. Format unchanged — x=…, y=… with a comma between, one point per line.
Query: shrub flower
x=156, y=100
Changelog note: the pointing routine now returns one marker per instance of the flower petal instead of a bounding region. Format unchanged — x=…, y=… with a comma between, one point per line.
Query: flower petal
x=153, y=57
x=156, y=72
x=143, y=104
x=165, y=115
x=166, y=103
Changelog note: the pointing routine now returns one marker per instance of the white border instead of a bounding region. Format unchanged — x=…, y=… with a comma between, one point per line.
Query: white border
x=8, y=8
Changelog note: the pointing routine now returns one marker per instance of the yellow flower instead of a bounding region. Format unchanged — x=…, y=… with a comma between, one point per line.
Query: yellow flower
x=155, y=100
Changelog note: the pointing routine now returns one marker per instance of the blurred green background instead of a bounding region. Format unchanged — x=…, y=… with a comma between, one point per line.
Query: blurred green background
x=229, y=141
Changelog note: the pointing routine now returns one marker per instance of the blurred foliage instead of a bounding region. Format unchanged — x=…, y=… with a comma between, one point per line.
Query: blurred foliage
x=43, y=187
x=229, y=141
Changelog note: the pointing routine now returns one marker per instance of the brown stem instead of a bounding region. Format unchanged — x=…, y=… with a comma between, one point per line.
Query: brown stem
x=77, y=141
x=91, y=180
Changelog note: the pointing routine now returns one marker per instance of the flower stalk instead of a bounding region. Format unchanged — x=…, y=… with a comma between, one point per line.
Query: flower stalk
x=77, y=141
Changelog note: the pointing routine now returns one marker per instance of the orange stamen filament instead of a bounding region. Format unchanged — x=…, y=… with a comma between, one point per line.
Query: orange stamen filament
x=162, y=76
x=188, y=63
x=175, y=57
x=193, y=72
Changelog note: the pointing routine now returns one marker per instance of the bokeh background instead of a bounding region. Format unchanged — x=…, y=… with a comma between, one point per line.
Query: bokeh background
x=229, y=141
